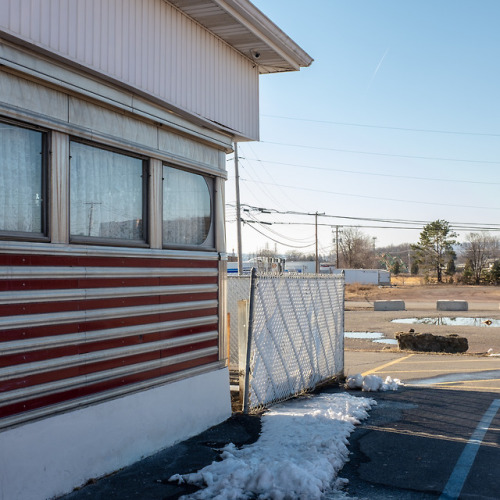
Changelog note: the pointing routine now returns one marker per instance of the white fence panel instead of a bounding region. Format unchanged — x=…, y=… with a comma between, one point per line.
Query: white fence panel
x=295, y=335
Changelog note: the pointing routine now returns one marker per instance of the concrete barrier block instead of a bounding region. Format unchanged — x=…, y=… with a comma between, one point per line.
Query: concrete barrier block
x=389, y=305
x=452, y=305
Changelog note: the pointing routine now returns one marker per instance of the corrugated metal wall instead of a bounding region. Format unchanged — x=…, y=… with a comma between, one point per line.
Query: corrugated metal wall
x=78, y=327
x=148, y=45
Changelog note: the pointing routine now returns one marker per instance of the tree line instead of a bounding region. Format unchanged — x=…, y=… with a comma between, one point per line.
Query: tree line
x=437, y=254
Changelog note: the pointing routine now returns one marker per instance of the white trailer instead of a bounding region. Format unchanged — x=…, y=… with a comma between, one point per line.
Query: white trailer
x=365, y=276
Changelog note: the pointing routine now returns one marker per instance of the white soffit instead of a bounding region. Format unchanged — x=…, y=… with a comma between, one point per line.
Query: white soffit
x=240, y=24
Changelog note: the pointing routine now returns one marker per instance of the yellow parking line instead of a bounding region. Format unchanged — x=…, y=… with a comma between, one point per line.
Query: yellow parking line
x=393, y=362
x=456, y=360
x=437, y=371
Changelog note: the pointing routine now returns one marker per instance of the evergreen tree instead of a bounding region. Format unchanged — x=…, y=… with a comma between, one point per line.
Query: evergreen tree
x=450, y=268
x=396, y=267
x=467, y=275
x=435, y=246
x=494, y=273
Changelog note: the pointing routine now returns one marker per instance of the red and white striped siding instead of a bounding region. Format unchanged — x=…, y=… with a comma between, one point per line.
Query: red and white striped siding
x=76, y=329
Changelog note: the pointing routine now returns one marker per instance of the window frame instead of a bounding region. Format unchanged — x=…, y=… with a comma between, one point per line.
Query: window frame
x=42, y=236
x=146, y=172
x=211, y=237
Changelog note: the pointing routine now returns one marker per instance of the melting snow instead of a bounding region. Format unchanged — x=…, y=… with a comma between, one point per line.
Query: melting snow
x=372, y=383
x=302, y=447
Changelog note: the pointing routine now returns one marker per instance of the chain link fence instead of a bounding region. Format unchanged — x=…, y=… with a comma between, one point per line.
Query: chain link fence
x=286, y=334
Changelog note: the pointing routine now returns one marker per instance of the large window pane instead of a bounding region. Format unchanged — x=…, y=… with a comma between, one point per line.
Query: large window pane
x=186, y=208
x=21, y=186
x=106, y=194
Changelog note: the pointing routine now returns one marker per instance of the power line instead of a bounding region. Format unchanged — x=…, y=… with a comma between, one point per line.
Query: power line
x=373, y=153
x=279, y=242
x=360, y=172
x=472, y=226
x=378, y=198
x=255, y=220
x=404, y=129
x=458, y=228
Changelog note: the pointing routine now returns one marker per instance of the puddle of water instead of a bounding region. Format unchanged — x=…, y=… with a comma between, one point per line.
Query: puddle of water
x=387, y=341
x=363, y=335
x=458, y=321
x=373, y=336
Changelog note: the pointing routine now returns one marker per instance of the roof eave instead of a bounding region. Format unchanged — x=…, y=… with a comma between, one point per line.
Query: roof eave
x=249, y=31
x=259, y=24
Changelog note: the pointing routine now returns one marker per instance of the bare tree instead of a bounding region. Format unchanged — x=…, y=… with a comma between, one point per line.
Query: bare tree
x=356, y=249
x=478, y=250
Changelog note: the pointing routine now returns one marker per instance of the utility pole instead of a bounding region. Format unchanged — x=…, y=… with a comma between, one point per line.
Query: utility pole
x=316, y=233
x=238, y=209
x=337, y=245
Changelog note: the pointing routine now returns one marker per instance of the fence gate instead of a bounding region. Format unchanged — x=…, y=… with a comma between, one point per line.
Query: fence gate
x=286, y=334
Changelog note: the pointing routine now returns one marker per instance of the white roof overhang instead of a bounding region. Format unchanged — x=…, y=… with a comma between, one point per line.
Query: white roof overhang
x=240, y=24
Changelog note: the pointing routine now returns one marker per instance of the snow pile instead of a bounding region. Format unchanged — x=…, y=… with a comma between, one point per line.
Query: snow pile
x=302, y=447
x=372, y=383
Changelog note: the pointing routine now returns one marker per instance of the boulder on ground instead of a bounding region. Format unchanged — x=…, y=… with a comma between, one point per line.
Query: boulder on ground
x=428, y=342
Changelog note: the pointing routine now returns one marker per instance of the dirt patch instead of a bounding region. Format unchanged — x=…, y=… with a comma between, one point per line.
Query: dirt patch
x=357, y=292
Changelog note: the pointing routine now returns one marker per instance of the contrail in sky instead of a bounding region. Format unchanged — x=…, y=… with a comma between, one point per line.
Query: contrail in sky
x=377, y=68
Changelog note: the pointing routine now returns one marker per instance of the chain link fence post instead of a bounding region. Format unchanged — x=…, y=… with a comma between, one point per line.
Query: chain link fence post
x=253, y=285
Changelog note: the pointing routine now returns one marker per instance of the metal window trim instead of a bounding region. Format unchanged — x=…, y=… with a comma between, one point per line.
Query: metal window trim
x=37, y=248
x=54, y=124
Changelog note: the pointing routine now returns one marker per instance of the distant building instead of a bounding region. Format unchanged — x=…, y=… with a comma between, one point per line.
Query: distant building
x=366, y=276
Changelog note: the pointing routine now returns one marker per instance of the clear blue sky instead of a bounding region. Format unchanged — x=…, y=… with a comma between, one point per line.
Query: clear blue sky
x=398, y=117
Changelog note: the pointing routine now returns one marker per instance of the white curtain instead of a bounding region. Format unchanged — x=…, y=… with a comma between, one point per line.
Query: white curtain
x=21, y=196
x=106, y=193
x=186, y=207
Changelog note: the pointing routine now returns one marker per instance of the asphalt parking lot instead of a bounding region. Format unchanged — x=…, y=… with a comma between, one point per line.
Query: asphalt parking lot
x=437, y=437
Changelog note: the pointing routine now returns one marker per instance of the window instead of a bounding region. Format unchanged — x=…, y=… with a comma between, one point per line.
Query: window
x=107, y=195
x=187, y=208
x=22, y=180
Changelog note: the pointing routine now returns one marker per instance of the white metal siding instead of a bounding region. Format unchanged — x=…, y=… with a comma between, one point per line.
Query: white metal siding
x=148, y=45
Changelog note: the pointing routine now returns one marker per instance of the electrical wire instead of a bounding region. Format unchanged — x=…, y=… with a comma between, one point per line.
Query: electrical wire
x=279, y=242
x=392, y=155
x=419, y=202
x=377, y=174
x=404, y=129
x=472, y=225
x=295, y=240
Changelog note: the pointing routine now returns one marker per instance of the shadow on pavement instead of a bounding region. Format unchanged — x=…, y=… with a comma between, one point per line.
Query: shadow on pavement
x=409, y=446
